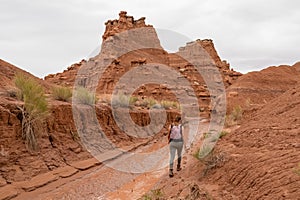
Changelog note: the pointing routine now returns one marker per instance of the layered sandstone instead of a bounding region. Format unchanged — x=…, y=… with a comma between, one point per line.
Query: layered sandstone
x=124, y=23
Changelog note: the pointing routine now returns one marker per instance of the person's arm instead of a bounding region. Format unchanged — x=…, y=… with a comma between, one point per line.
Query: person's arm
x=184, y=137
x=169, y=133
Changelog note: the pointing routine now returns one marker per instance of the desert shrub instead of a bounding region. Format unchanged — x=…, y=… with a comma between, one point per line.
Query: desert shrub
x=62, y=93
x=203, y=151
x=153, y=195
x=34, y=109
x=123, y=100
x=151, y=102
x=234, y=117
x=223, y=133
x=144, y=103
x=133, y=100
x=211, y=136
x=169, y=104
x=237, y=113
x=84, y=96
x=210, y=158
x=213, y=160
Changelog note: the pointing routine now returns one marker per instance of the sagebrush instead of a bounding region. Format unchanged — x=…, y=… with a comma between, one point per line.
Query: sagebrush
x=123, y=100
x=84, y=96
x=34, y=110
x=62, y=93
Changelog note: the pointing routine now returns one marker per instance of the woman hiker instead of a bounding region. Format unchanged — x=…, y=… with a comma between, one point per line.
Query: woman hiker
x=176, y=144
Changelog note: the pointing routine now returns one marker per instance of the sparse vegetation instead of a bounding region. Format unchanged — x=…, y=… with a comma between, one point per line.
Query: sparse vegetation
x=133, y=100
x=234, y=117
x=237, y=113
x=62, y=93
x=213, y=136
x=84, y=96
x=151, y=102
x=123, y=100
x=297, y=169
x=223, y=133
x=169, y=104
x=34, y=109
x=210, y=159
x=204, y=151
x=153, y=195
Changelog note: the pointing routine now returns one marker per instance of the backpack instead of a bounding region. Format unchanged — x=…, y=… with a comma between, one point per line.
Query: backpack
x=176, y=132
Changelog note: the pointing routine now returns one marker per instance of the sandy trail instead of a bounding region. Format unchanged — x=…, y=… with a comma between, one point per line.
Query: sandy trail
x=104, y=182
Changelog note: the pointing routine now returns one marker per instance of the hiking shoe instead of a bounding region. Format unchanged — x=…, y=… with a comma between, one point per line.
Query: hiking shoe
x=179, y=168
x=171, y=173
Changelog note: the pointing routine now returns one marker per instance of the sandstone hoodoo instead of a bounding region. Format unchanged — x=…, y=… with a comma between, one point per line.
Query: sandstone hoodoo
x=124, y=23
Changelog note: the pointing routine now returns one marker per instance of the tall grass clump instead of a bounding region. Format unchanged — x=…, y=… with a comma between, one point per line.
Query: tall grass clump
x=151, y=102
x=34, y=110
x=169, y=104
x=84, y=96
x=62, y=93
x=123, y=100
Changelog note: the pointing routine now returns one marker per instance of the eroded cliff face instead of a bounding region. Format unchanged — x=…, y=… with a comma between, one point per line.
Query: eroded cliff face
x=129, y=34
x=59, y=141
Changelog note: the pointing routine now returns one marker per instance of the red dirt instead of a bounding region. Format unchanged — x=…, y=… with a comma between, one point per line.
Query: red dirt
x=257, y=88
x=258, y=159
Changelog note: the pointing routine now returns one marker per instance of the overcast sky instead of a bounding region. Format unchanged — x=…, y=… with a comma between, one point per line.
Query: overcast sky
x=46, y=37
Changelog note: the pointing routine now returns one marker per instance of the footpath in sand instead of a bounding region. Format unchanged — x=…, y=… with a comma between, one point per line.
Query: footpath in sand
x=90, y=179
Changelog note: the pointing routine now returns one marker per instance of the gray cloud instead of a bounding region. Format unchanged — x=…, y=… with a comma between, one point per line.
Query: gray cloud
x=45, y=37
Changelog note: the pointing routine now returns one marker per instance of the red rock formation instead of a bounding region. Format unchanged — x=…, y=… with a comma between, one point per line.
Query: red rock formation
x=67, y=77
x=124, y=23
x=128, y=61
x=258, y=88
x=229, y=75
x=7, y=75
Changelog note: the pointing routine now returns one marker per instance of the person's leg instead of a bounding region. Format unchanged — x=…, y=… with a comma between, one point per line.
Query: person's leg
x=172, y=156
x=179, y=152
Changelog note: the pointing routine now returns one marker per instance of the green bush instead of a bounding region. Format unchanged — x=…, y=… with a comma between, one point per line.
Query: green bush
x=62, y=93
x=34, y=110
x=84, y=96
